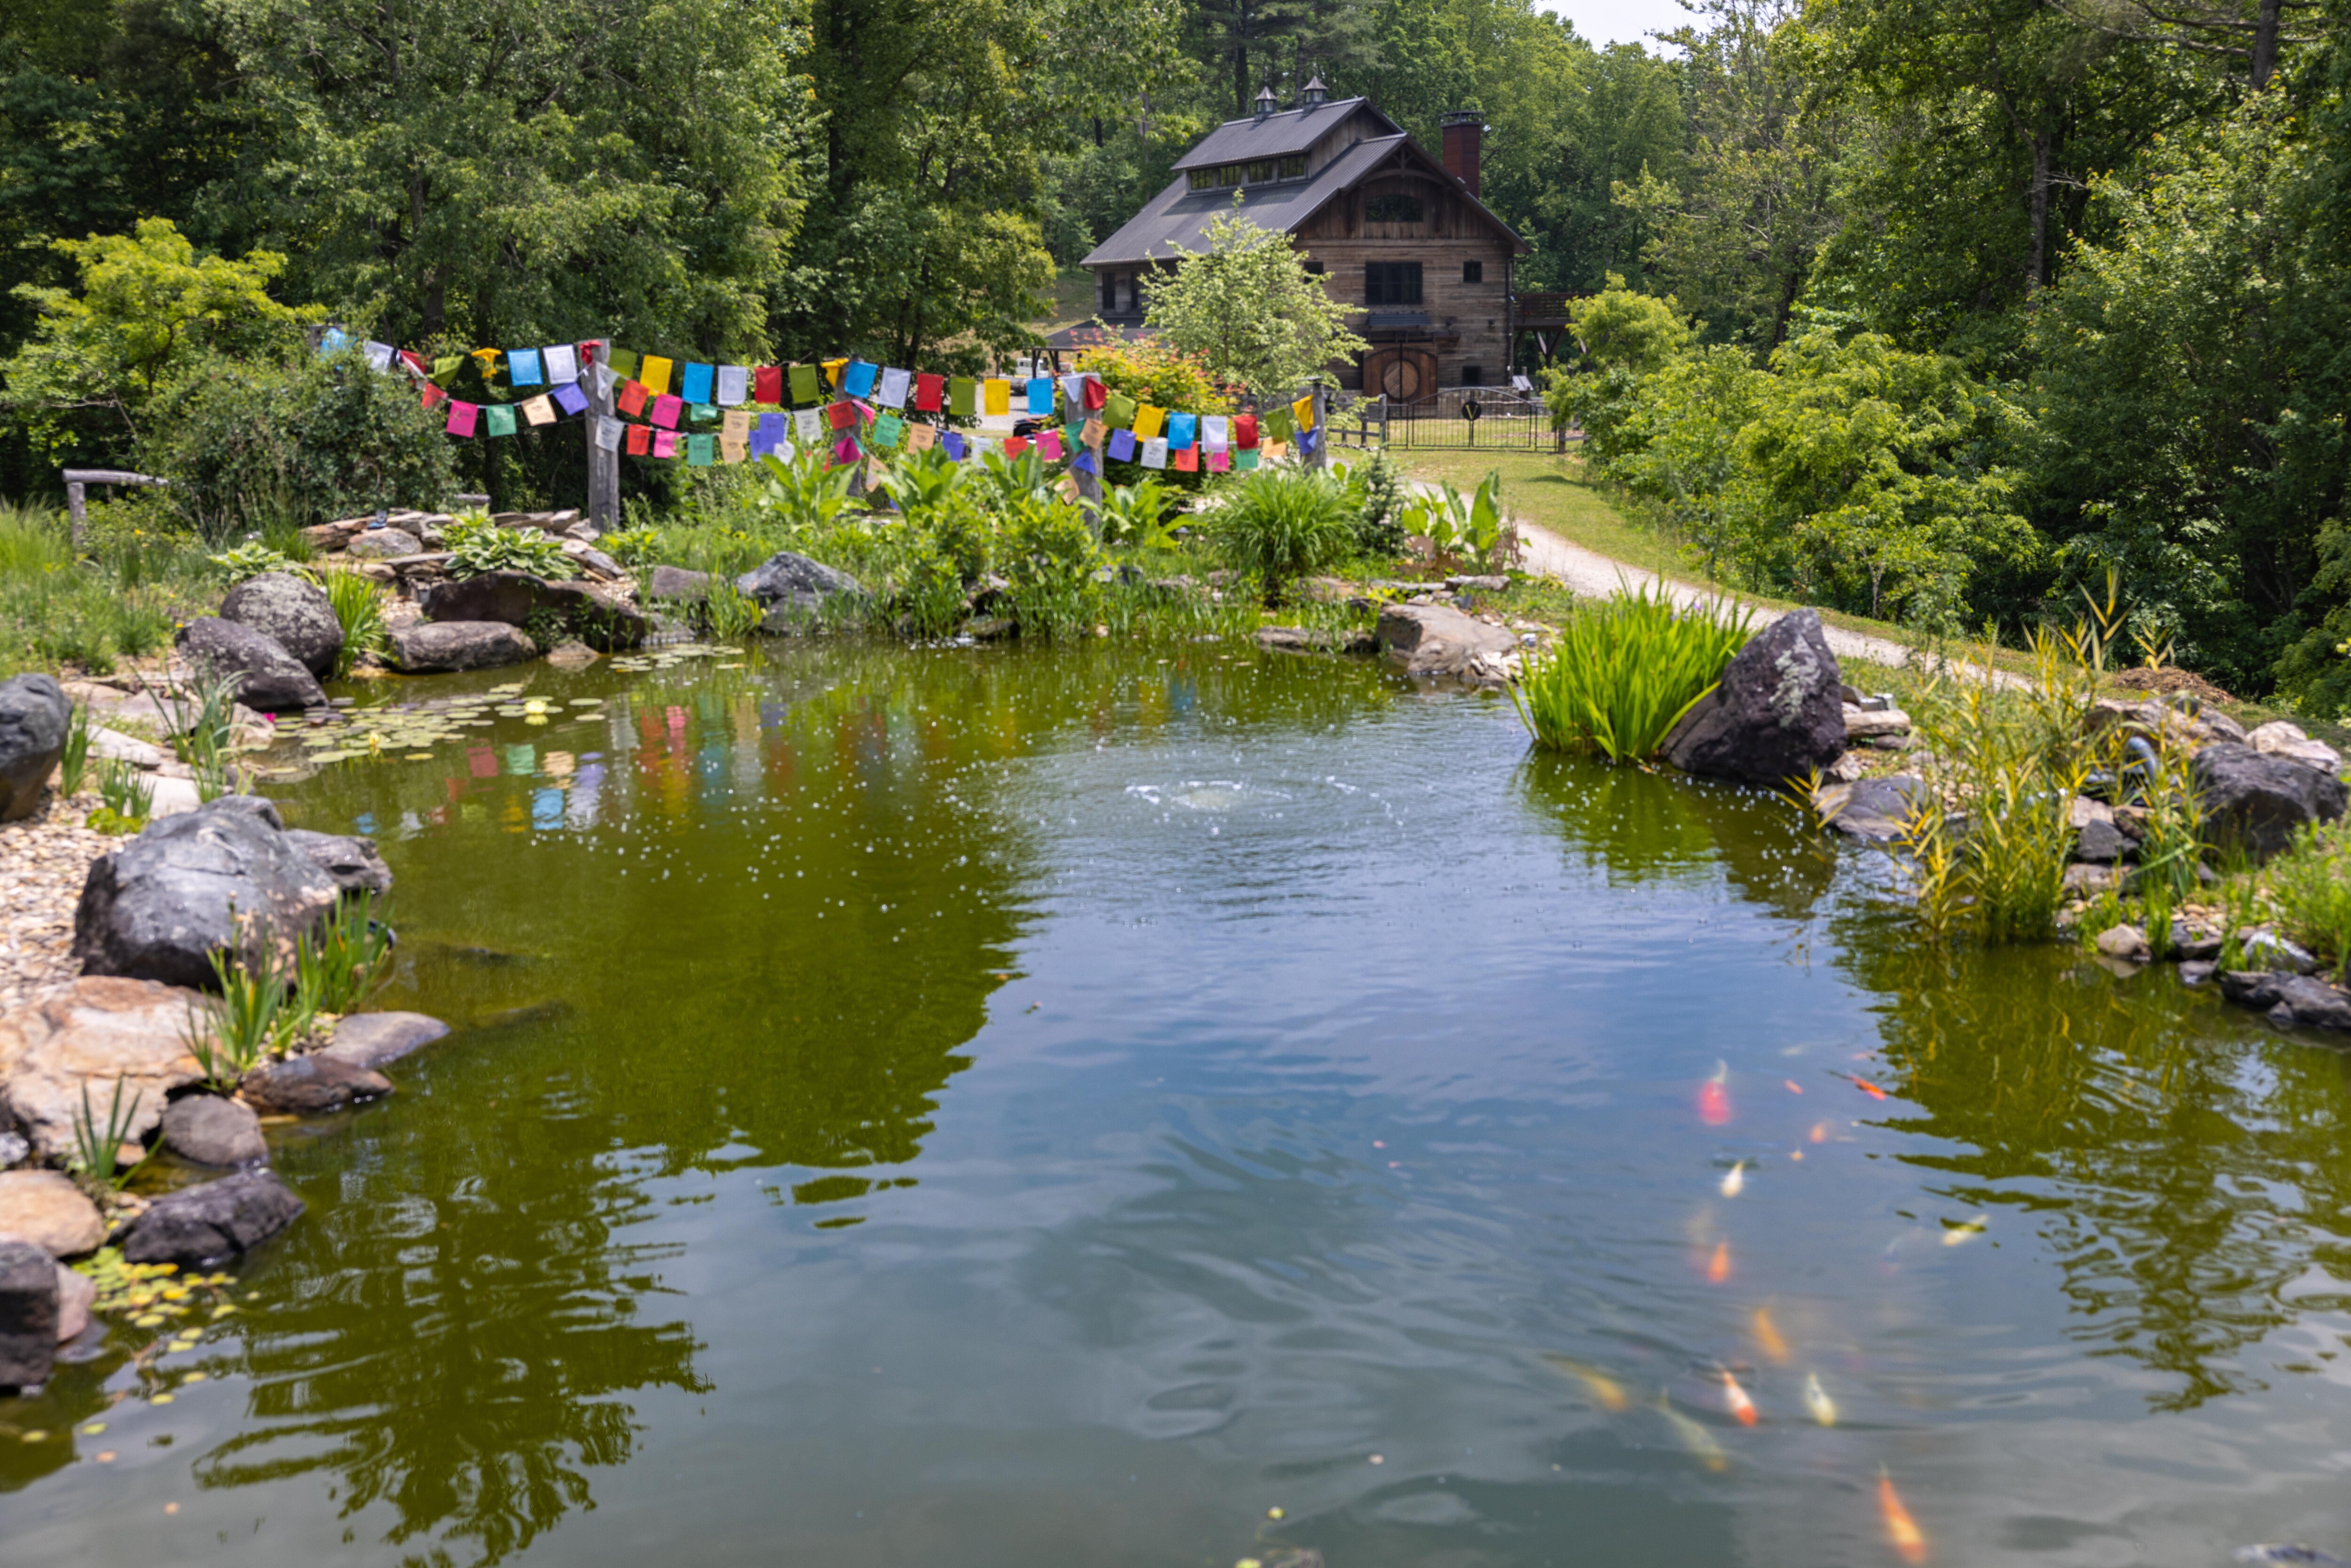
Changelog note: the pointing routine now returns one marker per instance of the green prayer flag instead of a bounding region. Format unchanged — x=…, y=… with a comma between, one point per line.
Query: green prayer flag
x=501, y=418
x=886, y=431
x=807, y=386
x=963, y=396
x=1118, y=412
x=623, y=363
x=1278, y=425
x=701, y=451
x=702, y=412
x=1245, y=458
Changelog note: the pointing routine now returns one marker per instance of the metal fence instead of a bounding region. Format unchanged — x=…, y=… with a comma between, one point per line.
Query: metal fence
x=1463, y=418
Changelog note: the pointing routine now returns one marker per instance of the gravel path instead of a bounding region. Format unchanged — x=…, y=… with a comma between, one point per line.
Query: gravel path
x=44, y=861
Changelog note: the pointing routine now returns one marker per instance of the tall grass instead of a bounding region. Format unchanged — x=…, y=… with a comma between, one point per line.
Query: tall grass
x=1282, y=524
x=55, y=611
x=1624, y=670
x=98, y=1149
x=358, y=606
x=2310, y=885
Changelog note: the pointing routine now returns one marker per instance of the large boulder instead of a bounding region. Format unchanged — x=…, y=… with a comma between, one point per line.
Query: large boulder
x=46, y=1208
x=212, y=1131
x=371, y=1040
x=314, y=1085
x=268, y=678
x=1435, y=640
x=2258, y=800
x=514, y=597
x=504, y=596
x=217, y=877
x=2280, y=739
x=89, y=1036
x=385, y=544
x=34, y=718
x=795, y=585
x=673, y=583
x=29, y=1315
x=352, y=860
x=198, y=1227
x=436, y=647
x=294, y=613
x=1777, y=713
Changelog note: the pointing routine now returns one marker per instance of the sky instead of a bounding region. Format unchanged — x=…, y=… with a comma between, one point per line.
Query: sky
x=1622, y=21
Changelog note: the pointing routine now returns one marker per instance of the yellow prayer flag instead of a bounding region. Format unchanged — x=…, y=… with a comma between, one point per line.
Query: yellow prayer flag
x=1149, y=422
x=833, y=368
x=655, y=374
x=538, y=410
x=998, y=395
x=1304, y=409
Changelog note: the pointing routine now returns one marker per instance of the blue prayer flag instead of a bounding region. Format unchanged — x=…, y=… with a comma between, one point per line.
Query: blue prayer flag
x=953, y=441
x=1041, y=395
x=570, y=399
x=857, y=381
x=1121, y=445
x=522, y=368
x=1181, y=428
x=696, y=388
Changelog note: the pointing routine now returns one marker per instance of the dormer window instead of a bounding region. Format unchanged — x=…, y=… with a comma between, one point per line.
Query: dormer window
x=1261, y=171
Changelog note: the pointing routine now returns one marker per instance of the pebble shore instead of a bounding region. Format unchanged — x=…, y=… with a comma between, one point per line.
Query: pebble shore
x=44, y=860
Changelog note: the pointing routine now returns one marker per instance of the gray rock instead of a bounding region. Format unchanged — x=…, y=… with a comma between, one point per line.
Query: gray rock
x=34, y=718
x=29, y=1315
x=795, y=584
x=504, y=596
x=385, y=544
x=2252, y=987
x=2188, y=942
x=212, y=1131
x=2280, y=739
x=432, y=647
x=2091, y=879
x=674, y=583
x=15, y=1149
x=2302, y=1002
x=198, y=1227
x=2258, y=800
x=46, y=1208
x=1876, y=811
x=1876, y=724
x=260, y=808
x=1315, y=640
x=370, y=1039
x=267, y=676
x=1776, y=714
x=294, y=613
x=2100, y=842
x=514, y=597
x=2269, y=951
x=352, y=861
x=1435, y=640
x=114, y=745
x=77, y=1295
x=217, y=877
x=2124, y=942
x=313, y=1085
x=89, y=1036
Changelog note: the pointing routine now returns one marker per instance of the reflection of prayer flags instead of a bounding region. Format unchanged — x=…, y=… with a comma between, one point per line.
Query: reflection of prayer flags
x=953, y=441
x=1014, y=446
x=538, y=410
x=999, y=395
x=522, y=367
x=1092, y=435
x=963, y=396
x=1118, y=412
x=608, y=433
x=1181, y=428
x=1245, y=430
x=666, y=408
x=623, y=363
x=1218, y=460
x=928, y=390
x=665, y=444
x=1096, y=394
x=562, y=363
x=1245, y=458
x=570, y=399
x=768, y=384
x=857, y=381
x=1303, y=411
x=641, y=440
x=895, y=384
x=1083, y=462
x=808, y=423
x=1189, y=460
x=632, y=398
x=693, y=386
x=1154, y=453
x=1049, y=447
x=1041, y=395
x=734, y=384
x=501, y=418
x=1121, y=445
x=841, y=415
x=655, y=374
x=462, y=415
x=432, y=396
x=886, y=430
x=700, y=451
x=1215, y=431
x=1148, y=421
x=806, y=383
x=921, y=437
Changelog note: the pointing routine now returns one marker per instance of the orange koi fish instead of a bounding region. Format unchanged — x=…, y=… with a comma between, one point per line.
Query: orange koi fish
x=1604, y=1388
x=1900, y=1529
x=1767, y=1334
x=1735, y=1399
x=1718, y=1267
x=1820, y=1132
x=1865, y=1085
x=1713, y=1098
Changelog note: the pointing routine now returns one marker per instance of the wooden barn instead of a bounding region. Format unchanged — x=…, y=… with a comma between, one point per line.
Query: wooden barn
x=1402, y=237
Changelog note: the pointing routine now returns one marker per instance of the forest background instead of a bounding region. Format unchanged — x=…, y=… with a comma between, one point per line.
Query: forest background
x=1933, y=310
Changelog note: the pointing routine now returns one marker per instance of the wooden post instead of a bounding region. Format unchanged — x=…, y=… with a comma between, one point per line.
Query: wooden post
x=75, y=495
x=603, y=467
x=78, y=483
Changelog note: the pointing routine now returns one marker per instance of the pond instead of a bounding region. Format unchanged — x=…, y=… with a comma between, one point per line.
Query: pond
x=1174, y=1105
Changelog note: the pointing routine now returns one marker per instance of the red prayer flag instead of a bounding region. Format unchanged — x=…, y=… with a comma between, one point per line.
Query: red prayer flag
x=641, y=440
x=1097, y=395
x=1014, y=446
x=1187, y=460
x=928, y=391
x=1245, y=430
x=632, y=398
x=433, y=396
x=768, y=384
x=841, y=415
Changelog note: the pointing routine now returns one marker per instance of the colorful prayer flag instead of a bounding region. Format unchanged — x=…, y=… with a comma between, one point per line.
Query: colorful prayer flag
x=734, y=384
x=844, y=451
x=1073, y=390
x=432, y=396
x=1083, y=462
x=562, y=362
x=1096, y=394
x=886, y=431
x=693, y=386
x=1303, y=411
x=1049, y=447
x=841, y=415
x=701, y=413
x=895, y=384
x=666, y=408
x=1181, y=429
x=963, y=397
x=1277, y=424
x=632, y=398
x=1219, y=460
x=1040, y=396
x=461, y=417
x=928, y=390
x=1149, y=420
x=857, y=381
x=538, y=410
x=806, y=383
x=1245, y=458
x=999, y=395
x=1014, y=446
x=570, y=399
x=1118, y=412
x=1216, y=431
x=1189, y=460
x=641, y=440
x=379, y=355
x=608, y=433
x=1121, y=445
x=808, y=423
x=1091, y=433
x=1154, y=453
x=501, y=418
x=522, y=367
x=768, y=384
x=664, y=443
x=921, y=437
x=953, y=444
x=655, y=374
x=623, y=363
x=701, y=452
x=1245, y=430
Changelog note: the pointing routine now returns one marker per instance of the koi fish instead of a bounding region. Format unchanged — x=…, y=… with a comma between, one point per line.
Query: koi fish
x=1793, y=1087
x=1767, y=1334
x=1820, y=1132
x=1817, y=1400
x=1734, y=1181
x=1604, y=1388
x=1735, y=1400
x=1695, y=1437
x=1967, y=1230
x=1864, y=1084
x=1900, y=1529
x=1713, y=1098
x=1718, y=1267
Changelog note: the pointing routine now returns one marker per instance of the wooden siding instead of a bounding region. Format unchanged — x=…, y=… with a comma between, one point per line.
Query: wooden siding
x=1467, y=322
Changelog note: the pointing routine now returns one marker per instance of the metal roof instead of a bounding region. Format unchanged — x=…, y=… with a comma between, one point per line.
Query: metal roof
x=1293, y=130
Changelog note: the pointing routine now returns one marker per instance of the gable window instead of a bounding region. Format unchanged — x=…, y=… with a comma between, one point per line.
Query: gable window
x=1473, y=272
x=1260, y=172
x=1392, y=209
x=1203, y=179
x=1392, y=283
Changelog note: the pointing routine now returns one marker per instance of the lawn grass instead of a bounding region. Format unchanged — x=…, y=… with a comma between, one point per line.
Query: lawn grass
x=1074, y=299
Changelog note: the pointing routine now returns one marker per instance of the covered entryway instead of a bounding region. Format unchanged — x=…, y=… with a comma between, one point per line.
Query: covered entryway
x=1401, y=372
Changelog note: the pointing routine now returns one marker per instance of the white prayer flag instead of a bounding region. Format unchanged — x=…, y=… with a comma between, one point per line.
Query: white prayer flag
x=608, y=433
x=379, y=355
x=1214, y=431
x=562, y=363
x=895, y=384
x=1155, y=453
x=733, y=384
x=808, y=423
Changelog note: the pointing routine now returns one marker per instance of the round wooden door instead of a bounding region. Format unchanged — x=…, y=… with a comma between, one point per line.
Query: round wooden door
x=1400, y=374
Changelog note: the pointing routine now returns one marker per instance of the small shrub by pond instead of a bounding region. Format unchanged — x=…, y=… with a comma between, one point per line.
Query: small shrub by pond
x=1623, y=672
x=1280, y=525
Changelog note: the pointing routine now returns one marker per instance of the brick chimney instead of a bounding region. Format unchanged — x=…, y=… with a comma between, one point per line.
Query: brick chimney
x=1465, y=134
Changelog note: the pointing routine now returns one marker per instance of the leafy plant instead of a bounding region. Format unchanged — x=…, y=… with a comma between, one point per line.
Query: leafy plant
x=633, y=546
x=338, y=965
x=1283, y=524
x=478, y=544
x=96, y=1152
x=803, y=495
x=358, y=605
x=202, y=709
x=2310, y=884
x=1133, y=514
x=253, y=558
x=729, y=613
x=1624, y=670
x=126, y=795
x=1472, y=530
x=73, y=763
x=1379, y=488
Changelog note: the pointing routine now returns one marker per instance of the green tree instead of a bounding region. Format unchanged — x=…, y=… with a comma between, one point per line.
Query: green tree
x=1252, y=312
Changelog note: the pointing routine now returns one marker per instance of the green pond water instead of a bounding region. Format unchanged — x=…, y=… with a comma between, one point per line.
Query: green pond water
x=1020, y=1107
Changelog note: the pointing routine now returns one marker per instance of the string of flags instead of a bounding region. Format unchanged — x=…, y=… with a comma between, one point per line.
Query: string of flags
x=850, y=408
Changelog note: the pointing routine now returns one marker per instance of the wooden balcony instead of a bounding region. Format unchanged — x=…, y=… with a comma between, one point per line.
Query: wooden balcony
x=1539, y=309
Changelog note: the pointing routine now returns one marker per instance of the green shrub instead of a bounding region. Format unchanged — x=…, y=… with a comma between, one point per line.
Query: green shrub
x=251, y=560
x=1282, y=524
x=478, y=544
x=1378, y=487
x=1624, y=670
x=2310, y=885
x=358, y=606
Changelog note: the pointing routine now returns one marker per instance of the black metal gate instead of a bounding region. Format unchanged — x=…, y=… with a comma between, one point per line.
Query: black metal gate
x=1460, y=418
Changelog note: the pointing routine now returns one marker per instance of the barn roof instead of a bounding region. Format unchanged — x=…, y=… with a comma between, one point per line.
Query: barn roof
x=1275, y=136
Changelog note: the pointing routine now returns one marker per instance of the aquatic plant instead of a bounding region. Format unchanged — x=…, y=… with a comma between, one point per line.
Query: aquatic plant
x=1623, y=672
x=1472, y=531
x=2310, y=886
x=153, y=1292
x=98, y=1150
x=126, y=797
x=358, y=607
x=1280, y=525
x=244, y=1024
x=729, y=613
x=73, y=763
x=337, y=964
